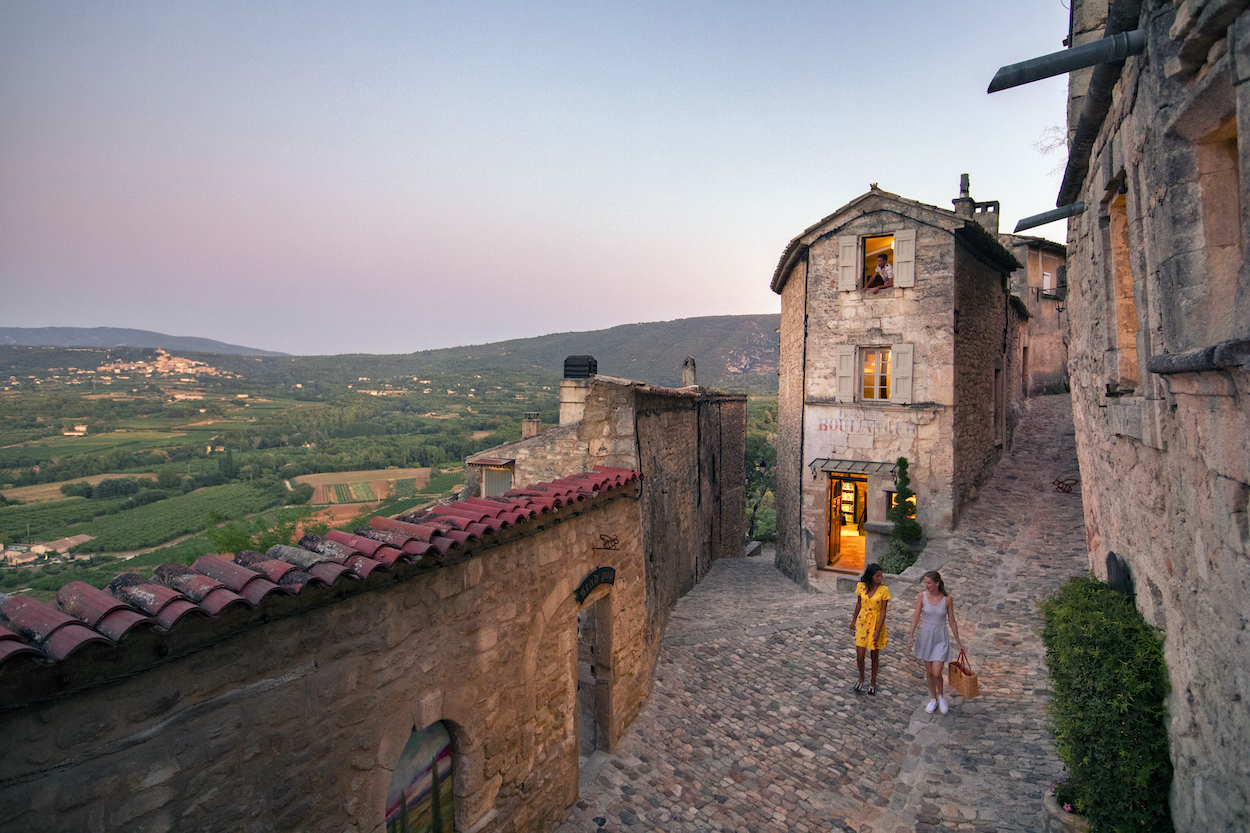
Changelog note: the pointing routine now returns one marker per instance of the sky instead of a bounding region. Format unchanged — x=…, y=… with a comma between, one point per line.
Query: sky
x=386, y=177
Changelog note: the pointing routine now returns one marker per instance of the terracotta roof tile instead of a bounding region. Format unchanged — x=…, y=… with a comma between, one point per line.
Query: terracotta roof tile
x=250, y=583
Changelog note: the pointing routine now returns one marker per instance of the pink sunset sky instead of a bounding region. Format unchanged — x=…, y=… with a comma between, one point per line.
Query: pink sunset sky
x=372, y=177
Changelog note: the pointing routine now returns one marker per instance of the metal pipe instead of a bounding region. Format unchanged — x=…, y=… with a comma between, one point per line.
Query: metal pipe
x=1114, y=48
x=1050, y=216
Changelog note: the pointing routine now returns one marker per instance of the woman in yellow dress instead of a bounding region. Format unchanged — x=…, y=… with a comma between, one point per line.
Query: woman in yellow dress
x=868, y=623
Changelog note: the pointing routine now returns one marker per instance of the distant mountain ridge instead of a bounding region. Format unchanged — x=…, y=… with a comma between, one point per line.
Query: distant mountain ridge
x=120, y=337
x=739, y=352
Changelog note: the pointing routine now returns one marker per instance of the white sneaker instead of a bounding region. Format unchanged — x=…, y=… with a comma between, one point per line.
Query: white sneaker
x=932, y=705
x=942, y=707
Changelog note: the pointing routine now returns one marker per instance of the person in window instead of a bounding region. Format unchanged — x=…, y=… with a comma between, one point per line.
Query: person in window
x=883, y=277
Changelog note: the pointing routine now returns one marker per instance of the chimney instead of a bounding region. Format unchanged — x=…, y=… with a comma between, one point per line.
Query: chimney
x=965, y=206
x=985, y=213
x=687, y=373
x=575, y=386
x=531, y=425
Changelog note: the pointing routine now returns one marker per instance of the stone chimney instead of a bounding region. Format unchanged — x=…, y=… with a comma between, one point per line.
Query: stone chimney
x=985, y=213
x=575, y=386
x=965, y=206
x=531, y=425
x=687, y=373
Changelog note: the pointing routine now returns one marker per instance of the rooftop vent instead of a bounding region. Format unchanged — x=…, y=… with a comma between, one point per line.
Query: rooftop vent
x=580, y=367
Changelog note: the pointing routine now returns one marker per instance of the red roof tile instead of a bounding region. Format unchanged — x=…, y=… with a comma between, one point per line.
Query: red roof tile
x=177, y=595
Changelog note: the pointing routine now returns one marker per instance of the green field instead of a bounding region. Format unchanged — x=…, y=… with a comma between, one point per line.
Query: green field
x=443, y=483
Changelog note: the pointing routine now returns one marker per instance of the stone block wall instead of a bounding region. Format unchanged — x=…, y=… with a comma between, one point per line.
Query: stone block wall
x=981, y=351
x=792, y=552
x=1162, y=313
x=296, y=722
x=690, y=445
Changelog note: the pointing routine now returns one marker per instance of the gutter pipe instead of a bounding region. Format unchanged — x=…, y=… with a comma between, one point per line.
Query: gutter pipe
x=1069, y=210
x=1117, y=47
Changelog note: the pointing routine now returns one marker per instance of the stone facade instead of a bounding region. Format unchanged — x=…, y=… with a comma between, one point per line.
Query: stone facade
x=295, y=719
x=1159, y=299
x=953, y=332
x=1041, y=283
x=689, y=444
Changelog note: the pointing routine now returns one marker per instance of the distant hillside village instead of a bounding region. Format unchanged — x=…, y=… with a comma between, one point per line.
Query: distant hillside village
x=163, y=365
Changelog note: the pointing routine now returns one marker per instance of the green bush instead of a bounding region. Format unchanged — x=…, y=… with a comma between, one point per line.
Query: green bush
x=903, y=512
x=898, y=557
x=1107, y=712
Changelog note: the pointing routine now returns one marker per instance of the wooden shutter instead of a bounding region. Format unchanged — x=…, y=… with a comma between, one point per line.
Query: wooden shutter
x=900, y=369
x=848, y=263
x=845, y=391
x=905, y=257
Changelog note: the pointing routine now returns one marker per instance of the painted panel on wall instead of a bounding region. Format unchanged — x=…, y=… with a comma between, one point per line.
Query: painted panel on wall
x=420, y=798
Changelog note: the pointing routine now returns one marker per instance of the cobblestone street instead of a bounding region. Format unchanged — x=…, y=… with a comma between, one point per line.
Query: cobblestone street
x=752, y=724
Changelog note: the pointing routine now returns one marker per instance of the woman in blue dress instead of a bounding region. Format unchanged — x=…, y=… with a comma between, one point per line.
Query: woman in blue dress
x=933, y=647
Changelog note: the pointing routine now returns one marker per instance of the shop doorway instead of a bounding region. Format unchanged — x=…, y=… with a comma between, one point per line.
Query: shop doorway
x=848, y=511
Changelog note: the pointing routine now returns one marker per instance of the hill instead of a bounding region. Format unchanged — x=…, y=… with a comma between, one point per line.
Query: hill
x=738, y=352
x=119, y=337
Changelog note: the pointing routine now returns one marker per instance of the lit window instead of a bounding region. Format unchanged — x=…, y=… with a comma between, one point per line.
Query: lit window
x=876, y=373
x=878, y=262
x=881, y=373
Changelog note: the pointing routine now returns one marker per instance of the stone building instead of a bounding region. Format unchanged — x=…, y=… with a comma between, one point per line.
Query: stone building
x=689, y=444
x=1041, y=283
x=448, y=668
x=925, y=367
x=1159, y=300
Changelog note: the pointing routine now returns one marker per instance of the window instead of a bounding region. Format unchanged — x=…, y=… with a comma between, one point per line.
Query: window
x=860, y=260
x=1048, y=282
x=876, y=373
x=1122, y=312
x=496, y=480
x=881, y=373
x=893, y=501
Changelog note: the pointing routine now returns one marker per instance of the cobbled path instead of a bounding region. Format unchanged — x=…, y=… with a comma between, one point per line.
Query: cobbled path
x=752, y=724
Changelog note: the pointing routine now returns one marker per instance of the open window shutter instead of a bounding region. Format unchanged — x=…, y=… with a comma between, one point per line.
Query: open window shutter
x=848, y=263
x=900, y=368
x=846, y=373
x=905, y=257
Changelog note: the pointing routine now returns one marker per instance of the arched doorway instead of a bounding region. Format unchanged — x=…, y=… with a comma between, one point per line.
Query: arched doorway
x=594, y=675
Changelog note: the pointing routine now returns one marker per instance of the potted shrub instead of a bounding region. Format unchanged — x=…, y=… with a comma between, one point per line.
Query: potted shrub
x=1107, y=709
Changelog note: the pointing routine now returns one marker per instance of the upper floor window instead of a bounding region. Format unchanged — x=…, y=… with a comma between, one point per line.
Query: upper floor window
x=877, y=262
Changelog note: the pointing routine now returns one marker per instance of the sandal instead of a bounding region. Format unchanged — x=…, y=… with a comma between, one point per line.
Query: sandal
x=872, y=689
x=859, y=686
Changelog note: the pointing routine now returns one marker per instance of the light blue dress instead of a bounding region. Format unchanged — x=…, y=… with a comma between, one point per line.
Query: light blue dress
x=933, y=643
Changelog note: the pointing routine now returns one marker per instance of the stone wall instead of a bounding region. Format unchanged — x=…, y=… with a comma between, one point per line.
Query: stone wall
x=690, y=445
x=295, y=720
x=981, y=363
x=792, y=554
x=1160, y=359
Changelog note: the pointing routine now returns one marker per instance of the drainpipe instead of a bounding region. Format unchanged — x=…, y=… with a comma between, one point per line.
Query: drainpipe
x=1114, y=48
x=1121, y=39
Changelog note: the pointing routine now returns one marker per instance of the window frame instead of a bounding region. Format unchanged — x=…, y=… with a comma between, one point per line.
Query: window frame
x=849, y=379
x=851, y=268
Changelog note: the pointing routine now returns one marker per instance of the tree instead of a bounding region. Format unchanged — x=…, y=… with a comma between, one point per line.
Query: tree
x=761, y=466
x=903, y=512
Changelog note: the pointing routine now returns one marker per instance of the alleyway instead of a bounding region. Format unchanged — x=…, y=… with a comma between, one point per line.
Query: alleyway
x=752, y=724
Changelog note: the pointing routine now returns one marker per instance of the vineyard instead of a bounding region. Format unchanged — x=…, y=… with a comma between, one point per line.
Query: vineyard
x=43, y=519
x=156, y=523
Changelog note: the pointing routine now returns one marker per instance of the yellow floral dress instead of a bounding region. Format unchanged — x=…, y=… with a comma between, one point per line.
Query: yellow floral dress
x=870, y=608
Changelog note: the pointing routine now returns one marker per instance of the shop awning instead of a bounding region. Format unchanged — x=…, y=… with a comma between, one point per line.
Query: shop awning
x=827, y=464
